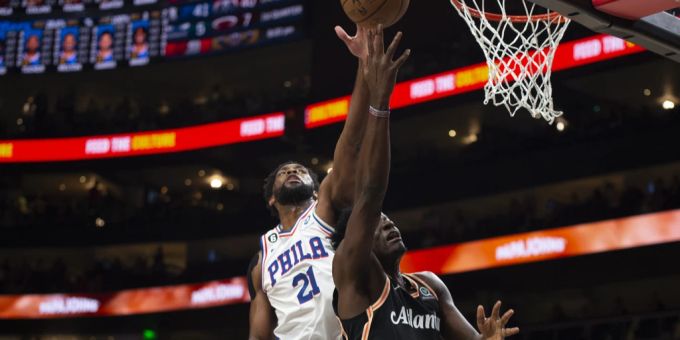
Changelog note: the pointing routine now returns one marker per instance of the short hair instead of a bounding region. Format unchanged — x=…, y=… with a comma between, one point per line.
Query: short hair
x=268, y=188
x=340, y=227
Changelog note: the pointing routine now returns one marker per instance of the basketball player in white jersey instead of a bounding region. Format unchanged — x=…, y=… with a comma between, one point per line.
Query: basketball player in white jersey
x=291, y=279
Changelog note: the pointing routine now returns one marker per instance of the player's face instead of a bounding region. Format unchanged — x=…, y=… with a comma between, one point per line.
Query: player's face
x=32, y=44
x=105, y=42
x=69, y=43
x=140, y=36
x=387, y=242
x=293, y=184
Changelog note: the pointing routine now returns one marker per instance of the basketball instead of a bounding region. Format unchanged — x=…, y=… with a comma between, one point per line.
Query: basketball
x=374, y=12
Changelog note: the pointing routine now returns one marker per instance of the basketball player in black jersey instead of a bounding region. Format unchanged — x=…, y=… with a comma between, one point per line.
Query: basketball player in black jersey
x=373, y=299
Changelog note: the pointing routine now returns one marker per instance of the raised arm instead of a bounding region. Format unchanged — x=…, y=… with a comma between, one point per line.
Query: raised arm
x=337, y=189
x=355, y=269
x=262, y=318
x=454, y=324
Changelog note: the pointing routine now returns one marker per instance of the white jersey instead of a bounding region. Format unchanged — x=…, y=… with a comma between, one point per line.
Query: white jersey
x=298, y=279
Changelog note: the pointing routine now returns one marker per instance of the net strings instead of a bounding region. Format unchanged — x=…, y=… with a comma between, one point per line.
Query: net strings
x=519, y=57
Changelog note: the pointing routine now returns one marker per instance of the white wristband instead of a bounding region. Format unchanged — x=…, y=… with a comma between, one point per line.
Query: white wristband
x=379, y=113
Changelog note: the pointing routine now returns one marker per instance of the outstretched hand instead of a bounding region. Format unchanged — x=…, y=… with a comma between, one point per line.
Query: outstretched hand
x=357, y=44
x=493, y=328
x=380, y=70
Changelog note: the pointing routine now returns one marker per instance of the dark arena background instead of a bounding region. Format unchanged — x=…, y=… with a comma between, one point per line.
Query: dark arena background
x=131, y=180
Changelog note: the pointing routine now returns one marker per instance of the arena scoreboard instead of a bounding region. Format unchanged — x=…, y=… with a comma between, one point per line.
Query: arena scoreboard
x=39, y=36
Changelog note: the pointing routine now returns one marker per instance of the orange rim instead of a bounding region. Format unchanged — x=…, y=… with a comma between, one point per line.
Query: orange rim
x=552, y=17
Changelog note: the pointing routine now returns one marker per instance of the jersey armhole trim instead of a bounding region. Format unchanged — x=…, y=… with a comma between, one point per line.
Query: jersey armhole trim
x=263, y=249
x=367, y=326
x=323, y=230
x=372, y=308
x=414, y=283
x=423, y=283
x=342, y=329
x=383, y=296
x=322, y=223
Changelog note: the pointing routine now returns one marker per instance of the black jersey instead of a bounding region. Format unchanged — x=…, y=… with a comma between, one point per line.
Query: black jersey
x=398, y=314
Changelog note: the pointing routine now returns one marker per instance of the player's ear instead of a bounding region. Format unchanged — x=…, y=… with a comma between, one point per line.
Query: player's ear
x=272, y=200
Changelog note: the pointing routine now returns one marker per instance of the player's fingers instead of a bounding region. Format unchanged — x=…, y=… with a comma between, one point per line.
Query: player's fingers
x=379, y=40
x=370, y=45
x=342, y=34
x=377, y=46
x=496, y=310
x=361, y=30
x=480, y=317
x=373, y=42
x=511, y=331
x=506, y=317
x=402, y=59
x=393, y=45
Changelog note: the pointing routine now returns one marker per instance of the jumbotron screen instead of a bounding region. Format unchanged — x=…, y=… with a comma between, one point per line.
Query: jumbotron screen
x=39, y=36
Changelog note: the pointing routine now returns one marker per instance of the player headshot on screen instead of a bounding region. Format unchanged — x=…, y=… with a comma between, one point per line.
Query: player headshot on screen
x=32, y=54
x=105, y=53
x=140, y=47
x=68, y=55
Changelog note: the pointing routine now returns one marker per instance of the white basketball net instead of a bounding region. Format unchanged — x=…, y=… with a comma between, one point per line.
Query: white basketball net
x=519, y=55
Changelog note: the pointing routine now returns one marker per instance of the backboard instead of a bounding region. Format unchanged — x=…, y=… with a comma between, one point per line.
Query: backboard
x=647, y=23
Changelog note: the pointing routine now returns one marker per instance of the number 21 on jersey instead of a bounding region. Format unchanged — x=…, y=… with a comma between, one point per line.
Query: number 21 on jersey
x=305, y=280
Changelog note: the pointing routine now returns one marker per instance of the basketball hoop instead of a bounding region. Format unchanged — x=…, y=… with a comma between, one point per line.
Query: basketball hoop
x=519, y=51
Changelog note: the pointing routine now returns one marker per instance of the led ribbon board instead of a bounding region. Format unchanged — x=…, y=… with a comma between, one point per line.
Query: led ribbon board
x=143, y=143
x=470, y=78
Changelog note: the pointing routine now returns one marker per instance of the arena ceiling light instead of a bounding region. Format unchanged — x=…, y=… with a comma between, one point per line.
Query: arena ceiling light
x=219, y=181
x=561, y=124
x=668, y=104
x=216, y=183
x=470, y=139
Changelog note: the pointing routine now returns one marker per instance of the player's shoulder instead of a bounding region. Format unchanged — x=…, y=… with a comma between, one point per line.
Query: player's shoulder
x=320, y=216
x=431, y=279
x=253, y=274
x=426, y=275
x=325, y=210
x=271, y=236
